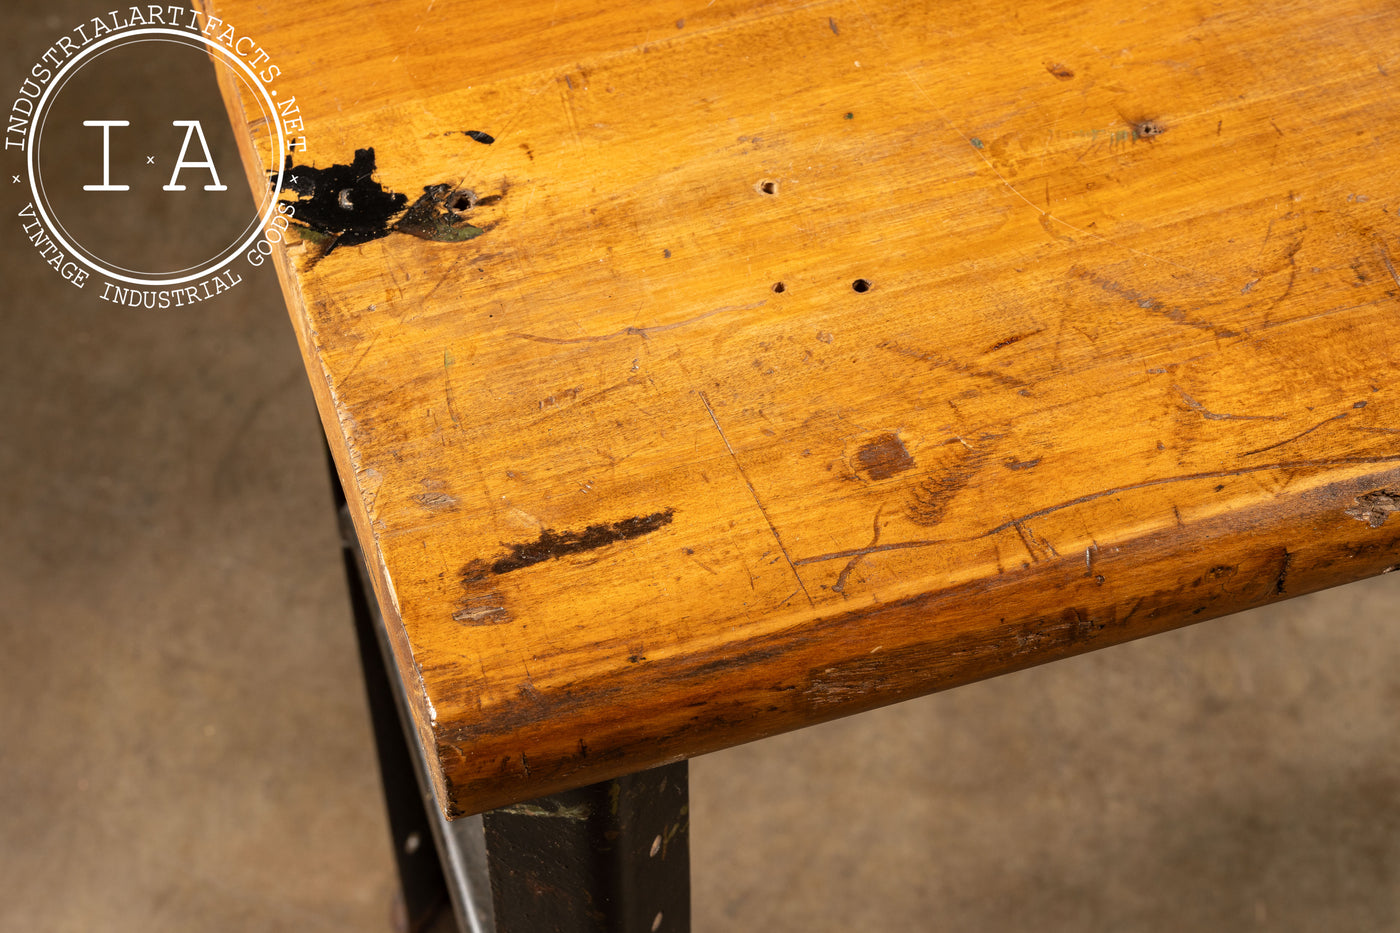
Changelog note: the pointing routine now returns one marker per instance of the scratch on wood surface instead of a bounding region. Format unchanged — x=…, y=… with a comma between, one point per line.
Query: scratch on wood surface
x=944, y=363
x=1032, y=542
x=1385, y=258
x=447, y=362
x=643, y=332
x=1173, y=313
x=1090, y=497
x=568, y=106
x=1301, y=434
x=705, y=399
x=1046, y=217
x=1217, y=416
x=845, y=574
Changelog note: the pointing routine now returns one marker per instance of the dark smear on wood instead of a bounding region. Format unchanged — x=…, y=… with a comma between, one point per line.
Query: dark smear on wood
x=831, y=21
x=480, y=603
x=1282, y=573
x=1011, y=463
x=326, y=192
x=1063, y=72
x=929, y=499
x=554, y=544
x=485, y=138
x=882, y=458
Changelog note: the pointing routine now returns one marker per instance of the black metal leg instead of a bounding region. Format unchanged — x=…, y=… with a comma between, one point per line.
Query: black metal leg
x=420, y=872
x=613, y=857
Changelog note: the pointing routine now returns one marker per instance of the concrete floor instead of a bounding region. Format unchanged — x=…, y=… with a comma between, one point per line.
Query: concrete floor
x=184, y=745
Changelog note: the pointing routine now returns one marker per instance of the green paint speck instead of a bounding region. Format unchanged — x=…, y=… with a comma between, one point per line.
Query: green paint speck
x=850, y=116
x=976, y=143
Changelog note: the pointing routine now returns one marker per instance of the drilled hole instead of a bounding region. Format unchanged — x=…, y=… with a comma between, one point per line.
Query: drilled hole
x=463, y=200
x=861, y=285
x=779, y=287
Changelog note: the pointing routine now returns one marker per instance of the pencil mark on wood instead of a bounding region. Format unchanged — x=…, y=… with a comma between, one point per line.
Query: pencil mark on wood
x=643, y=332
x=1374, y=507
x=743, y=474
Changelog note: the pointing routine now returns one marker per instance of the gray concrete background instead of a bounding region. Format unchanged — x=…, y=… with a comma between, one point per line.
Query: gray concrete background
x=184, y=745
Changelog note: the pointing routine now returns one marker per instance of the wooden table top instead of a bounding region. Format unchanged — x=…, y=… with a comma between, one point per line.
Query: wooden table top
x=700, y=371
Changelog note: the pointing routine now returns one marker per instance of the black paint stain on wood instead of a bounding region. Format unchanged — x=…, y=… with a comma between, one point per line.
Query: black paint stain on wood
x=554, y=544
x=484, y=138
x=439, y=214
x=343, y=205
x=882, y=458
x=343, y=201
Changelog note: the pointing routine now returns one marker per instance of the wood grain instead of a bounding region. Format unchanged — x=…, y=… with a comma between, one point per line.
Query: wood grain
x=809, y=357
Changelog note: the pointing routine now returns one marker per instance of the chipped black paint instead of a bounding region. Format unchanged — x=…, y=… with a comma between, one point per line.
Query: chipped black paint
x=554, y=544
x=343, y=205
x=343, y=201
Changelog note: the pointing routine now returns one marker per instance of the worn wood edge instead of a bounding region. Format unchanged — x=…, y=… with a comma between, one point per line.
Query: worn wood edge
x=338, y=440
x=705, y=701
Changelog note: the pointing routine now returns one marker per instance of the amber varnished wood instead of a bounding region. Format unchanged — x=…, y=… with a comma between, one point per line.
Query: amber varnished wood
x=774, y=361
